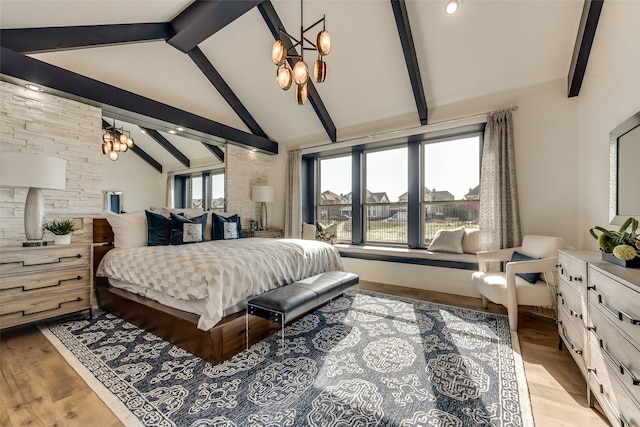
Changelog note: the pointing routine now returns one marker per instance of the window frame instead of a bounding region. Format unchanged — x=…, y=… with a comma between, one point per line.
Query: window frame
x=318, y=194
x=183, y=194
x=415, y=179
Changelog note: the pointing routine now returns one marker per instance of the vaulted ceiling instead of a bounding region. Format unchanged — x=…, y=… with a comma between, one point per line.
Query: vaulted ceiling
x=223, y=88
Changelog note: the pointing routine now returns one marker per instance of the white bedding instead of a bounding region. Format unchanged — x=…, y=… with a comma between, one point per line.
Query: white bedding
x=223, y=272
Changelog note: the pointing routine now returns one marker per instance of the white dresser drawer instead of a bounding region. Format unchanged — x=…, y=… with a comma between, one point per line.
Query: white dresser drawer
x=575, y=340
x=619, y=355
x=574, y=272
x=571, y=303
x=620, y=303
x=620, y=407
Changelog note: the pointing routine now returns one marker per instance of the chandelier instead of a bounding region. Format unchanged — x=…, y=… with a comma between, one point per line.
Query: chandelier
x=300, y=72
x=115, y=141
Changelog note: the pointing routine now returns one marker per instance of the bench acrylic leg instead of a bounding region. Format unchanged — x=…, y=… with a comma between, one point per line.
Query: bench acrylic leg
x=246, y=327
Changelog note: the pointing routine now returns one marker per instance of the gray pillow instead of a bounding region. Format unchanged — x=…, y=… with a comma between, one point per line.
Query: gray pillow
x=447, y=241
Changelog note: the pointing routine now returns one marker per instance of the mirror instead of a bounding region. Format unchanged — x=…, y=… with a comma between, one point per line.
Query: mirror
x=113, y=201
x=624, y=171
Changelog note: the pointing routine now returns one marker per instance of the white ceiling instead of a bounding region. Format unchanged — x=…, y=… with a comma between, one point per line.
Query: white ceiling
x=488, y=47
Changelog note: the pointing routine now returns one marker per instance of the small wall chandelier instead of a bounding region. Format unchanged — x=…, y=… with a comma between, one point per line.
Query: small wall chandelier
x=116, y=141
x=300, y=74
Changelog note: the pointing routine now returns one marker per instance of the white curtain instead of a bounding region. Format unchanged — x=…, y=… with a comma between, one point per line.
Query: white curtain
x=499, y=213
x=293, y=196
x=170, y=185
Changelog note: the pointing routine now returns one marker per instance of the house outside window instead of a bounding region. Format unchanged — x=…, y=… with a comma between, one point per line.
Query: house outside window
x=334, y=190
x=451, y=185
x=385, y=182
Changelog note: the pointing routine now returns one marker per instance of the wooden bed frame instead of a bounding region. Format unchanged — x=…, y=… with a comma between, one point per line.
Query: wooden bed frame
x=224, y=340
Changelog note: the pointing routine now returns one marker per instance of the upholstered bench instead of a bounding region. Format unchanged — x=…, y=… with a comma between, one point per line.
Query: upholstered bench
x=287, y=302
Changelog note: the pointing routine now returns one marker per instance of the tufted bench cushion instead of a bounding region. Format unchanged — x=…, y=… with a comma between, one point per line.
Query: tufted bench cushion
x=287, y=302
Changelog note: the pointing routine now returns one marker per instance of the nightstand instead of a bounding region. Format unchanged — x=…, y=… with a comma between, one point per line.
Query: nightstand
x=43, y=282
x=272, y=233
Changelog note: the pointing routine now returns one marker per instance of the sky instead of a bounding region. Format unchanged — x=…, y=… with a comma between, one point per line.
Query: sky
x=452, y=165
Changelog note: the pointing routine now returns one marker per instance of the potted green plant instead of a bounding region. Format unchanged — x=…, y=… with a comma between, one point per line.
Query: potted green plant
x=621, y=246
x=62, y=229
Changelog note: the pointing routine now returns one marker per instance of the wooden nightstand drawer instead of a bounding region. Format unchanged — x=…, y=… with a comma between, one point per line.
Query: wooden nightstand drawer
x=273, y=233
x=31, y=260
x=24, y=310
x=30, y=285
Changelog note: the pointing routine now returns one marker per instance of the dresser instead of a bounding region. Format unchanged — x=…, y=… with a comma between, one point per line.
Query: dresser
x=39, y=283
x=599, y=322
x=272, y=233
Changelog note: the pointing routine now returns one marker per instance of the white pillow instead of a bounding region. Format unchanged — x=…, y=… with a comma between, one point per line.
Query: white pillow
x=447, y=241
x=471, y=241
x=129, y=229
x=308, y=231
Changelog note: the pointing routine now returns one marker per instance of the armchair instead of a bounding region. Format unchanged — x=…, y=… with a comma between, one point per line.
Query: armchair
x=510, y=290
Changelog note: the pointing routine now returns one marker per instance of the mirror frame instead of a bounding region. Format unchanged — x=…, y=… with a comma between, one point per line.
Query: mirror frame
x=614, y=138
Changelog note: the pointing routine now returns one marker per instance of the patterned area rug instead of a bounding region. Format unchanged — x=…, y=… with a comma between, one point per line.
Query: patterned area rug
x=365, y=359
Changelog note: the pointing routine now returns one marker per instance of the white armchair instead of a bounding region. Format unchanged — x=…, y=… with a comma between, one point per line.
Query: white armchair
x=510, y=290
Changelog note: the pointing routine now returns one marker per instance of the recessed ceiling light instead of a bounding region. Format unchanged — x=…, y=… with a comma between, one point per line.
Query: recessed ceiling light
x=34, y=87
x=173, y=132
x=452, y=6
x=180, y=129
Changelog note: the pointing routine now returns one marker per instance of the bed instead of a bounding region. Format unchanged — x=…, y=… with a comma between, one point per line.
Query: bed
x=194, y=295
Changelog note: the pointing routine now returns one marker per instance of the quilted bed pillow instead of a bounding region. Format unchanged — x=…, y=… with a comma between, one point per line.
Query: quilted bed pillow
x=129, y=229
x=225, y=228
x=185, y=230
x=158, y=229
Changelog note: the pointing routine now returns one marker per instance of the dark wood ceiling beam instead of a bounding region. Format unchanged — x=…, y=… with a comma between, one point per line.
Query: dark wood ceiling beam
x=203, y=18
x=215, y=150
x=49, y=39
x=138, y=151
x=164, y=143
x=274, y=23
x=584, y=40
x=406, y=40
x=223, y=88
x=111, y=98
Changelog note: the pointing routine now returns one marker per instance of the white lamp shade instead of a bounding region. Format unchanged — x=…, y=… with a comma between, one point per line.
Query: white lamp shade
x=32, y=170
x=263, y=193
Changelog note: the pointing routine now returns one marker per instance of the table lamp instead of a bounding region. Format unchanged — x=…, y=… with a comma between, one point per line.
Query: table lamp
x=263, y=194
x=36, y=172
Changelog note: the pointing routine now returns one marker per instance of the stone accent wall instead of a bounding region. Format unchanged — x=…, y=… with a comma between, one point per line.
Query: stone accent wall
x=41, y=123
x=245, y=168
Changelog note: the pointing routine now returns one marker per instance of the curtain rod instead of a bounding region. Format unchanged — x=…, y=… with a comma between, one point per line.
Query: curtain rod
x=394, y=133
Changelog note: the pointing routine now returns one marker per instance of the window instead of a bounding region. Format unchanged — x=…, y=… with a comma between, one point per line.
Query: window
x=203, y=190
x=334, y=195
x=217, y=190
x=451, y=185
x=397, y=192
x=385, y=199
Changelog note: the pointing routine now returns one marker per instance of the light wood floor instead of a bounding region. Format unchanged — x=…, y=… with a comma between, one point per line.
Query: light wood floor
x=38, y=387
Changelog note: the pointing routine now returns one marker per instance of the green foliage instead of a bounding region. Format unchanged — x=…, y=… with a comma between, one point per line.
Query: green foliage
x=61, y=226
x=627, y=235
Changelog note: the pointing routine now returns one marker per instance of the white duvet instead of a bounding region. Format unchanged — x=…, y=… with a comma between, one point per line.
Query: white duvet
x=224, y=272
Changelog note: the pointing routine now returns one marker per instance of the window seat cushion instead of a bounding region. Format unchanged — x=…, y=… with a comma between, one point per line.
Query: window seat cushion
x=409, y=256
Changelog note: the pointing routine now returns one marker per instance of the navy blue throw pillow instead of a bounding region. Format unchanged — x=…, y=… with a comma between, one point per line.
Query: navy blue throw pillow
x=158, y=229
x=220, y=223
x=529, y=277
x=185, y=230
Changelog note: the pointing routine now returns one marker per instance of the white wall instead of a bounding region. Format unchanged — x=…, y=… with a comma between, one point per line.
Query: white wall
x=610, y=94
x=142, y=186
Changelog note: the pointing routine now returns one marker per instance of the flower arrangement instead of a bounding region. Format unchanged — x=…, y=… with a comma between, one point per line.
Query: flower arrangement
x=61, y=226
x=624, y=243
